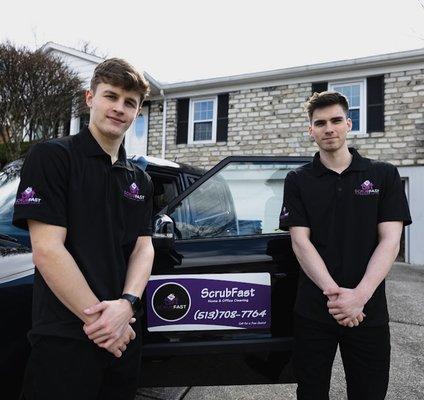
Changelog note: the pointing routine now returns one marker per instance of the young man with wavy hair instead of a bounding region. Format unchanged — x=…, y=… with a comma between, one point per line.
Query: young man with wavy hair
x=88, y=210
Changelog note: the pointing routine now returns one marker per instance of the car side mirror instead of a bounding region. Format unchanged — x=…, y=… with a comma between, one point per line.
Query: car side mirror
x=163, y=231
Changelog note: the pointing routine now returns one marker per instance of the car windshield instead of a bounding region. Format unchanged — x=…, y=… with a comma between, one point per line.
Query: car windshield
x=9, y=182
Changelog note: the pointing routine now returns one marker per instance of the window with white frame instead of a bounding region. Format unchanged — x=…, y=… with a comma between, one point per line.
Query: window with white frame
x=355, y=93
x=202, y=127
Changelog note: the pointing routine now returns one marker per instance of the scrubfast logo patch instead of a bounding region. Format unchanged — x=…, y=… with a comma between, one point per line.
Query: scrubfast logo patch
x=132, y=193
x=28, y=197
x=171, y=302
x=367, y=189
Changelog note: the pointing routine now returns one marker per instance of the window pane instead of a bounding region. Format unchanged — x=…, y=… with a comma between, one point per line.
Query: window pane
x=203, y=110
x=339, y=89
x=352, y=92
x=354, y=101
x=347, y=91
x=165, y=189
x=197, y=115
x=243, y=199
x=354, y=116
x=202, y=131
x=140, y=126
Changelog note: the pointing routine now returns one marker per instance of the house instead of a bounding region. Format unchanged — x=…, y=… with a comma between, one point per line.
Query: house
x=203, y=121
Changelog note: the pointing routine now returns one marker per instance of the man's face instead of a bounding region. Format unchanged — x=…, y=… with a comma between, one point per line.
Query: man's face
x=329, y=127
x=112, y=109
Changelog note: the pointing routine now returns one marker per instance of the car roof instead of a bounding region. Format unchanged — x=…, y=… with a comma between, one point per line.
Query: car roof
x=148, y=160
x=154, y=163
x=144, y=162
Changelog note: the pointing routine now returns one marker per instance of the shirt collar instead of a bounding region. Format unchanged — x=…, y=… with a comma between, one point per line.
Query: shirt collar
x=358, y=163
x=92, y=148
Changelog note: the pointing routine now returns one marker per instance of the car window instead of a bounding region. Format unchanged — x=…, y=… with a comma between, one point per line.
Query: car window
x=242, y=199
x=9, y=182
x=165, y=190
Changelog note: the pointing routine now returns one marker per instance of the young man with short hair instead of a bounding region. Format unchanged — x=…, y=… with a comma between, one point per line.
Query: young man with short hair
x=345, y=213
x=88, y=211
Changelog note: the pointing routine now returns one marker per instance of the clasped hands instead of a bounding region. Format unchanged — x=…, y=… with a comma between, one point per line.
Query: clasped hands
x=346, y=305
x=112, y=329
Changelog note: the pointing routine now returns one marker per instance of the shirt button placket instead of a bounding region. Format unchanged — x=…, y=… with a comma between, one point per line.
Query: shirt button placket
x=109, y=178
x=339, y=185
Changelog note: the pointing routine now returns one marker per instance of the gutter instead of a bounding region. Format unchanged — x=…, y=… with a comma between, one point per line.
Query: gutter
x=163, y=124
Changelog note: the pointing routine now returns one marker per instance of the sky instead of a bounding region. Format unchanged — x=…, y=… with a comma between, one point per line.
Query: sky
x=183, y=40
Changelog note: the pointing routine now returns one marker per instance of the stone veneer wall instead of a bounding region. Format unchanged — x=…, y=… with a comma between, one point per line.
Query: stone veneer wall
x=403, y=141
x=154, y=144
x=272, y=121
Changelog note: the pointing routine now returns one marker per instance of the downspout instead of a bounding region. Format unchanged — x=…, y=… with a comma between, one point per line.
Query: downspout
x=163, y=124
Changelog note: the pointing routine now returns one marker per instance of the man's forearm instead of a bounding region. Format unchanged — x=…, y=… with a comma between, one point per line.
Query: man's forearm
x=378, y=267
x=139, y=267
x=62, y=275
x=312, y=264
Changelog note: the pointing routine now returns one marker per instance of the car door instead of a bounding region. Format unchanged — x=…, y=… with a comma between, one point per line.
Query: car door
x=218, y=307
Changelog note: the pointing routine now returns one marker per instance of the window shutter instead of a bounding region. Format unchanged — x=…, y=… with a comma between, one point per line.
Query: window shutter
x=222, y=121
x=375, y=104
x=319, y=87
x=182, y=120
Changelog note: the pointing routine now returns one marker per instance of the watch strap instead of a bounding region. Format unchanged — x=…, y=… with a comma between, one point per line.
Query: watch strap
x=134, y=301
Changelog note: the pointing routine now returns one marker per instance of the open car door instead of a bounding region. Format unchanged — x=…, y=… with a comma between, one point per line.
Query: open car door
x=218, y=306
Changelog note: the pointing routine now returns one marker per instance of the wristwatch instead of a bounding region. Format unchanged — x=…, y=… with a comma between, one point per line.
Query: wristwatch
x=134, y=301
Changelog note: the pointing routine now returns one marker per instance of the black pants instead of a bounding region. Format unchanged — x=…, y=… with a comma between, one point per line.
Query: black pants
x=365, y=354
x=69, y=369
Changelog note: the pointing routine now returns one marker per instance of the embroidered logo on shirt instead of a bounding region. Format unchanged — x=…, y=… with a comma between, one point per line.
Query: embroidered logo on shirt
x=367, y=189
x=28, y=197
x=284, y=214
x=133, y=193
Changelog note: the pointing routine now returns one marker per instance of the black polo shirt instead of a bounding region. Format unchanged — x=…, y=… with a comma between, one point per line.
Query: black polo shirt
x=105, y=207
x=342, y=212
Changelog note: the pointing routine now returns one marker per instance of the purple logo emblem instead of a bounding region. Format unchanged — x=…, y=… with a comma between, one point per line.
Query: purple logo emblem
x=367, y=189
x=133, y=193
x=367, y=185
x=171, y=300
x=134, y=188
x=28, y=197
x=284, y=213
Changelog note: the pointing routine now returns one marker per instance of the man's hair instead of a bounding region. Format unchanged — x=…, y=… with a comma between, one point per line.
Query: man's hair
x=118, y=72
x=325, y=99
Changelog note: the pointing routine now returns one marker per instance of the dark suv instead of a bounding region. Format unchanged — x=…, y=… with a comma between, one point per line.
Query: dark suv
x=218, y=307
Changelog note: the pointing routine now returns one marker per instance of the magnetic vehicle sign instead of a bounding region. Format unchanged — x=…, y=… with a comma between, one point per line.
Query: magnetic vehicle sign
x=208, y=302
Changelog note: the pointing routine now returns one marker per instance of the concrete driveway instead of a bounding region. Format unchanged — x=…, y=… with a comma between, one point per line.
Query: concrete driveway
x=405, y=291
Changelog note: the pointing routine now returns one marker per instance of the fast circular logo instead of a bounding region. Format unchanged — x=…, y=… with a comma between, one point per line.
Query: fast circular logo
x=171, y=302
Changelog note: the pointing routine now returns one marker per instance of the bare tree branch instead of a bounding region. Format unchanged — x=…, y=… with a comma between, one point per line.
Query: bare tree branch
x=87, y=47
